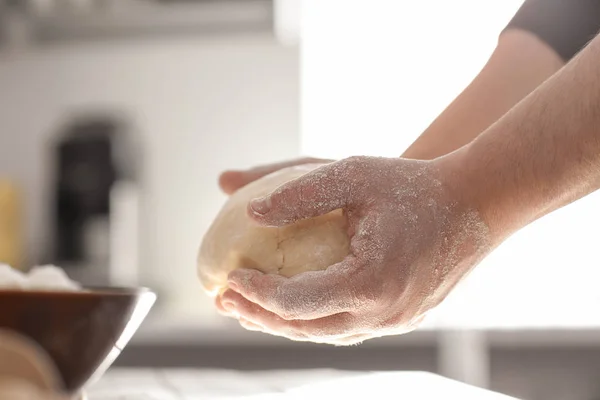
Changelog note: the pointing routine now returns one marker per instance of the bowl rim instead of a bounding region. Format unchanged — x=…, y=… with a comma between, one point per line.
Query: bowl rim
x=84, y=291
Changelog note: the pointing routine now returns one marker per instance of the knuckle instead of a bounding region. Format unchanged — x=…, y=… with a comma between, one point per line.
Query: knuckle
x=356, y=169
x=354, y=160
x=356, y=163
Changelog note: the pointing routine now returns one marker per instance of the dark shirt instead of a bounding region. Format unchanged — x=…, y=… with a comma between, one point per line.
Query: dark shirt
x=565, y=25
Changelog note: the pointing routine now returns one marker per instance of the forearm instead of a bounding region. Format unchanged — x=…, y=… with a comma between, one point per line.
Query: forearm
x=540, y=156
x=519, y=64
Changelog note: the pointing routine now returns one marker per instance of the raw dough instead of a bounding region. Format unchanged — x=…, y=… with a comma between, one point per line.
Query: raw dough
x=234, y=241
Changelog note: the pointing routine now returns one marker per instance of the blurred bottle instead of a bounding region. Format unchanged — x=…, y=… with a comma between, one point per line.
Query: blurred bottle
x=11, y=224
x=95, y=155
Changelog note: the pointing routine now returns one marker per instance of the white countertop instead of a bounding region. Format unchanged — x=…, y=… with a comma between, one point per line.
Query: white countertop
x=189, y=384
x=163, y=330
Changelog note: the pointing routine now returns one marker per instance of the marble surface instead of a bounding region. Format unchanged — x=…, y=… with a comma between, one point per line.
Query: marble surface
x=189, y=384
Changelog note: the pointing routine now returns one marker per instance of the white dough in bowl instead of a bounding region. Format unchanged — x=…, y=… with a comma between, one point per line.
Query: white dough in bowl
x=49, y=277
x=11, y=278
x=46, y=277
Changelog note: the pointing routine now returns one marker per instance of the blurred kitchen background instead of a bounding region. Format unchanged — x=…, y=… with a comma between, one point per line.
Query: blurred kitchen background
x=116, y=117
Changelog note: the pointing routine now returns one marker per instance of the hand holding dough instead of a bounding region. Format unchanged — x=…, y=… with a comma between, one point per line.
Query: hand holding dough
x=413, y=238
x=235, y=241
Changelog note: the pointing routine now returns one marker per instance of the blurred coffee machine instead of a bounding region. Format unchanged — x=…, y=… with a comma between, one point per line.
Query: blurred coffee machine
x=96, y=179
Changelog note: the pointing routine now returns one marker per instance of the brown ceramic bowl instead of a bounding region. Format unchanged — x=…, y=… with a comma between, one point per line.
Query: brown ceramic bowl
x=83, y=332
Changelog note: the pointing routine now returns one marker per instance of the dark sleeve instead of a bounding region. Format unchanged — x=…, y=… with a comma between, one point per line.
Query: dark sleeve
x=565, y=25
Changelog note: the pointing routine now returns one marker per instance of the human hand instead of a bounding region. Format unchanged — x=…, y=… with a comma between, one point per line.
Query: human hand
x=232, y=180
x=413, y=238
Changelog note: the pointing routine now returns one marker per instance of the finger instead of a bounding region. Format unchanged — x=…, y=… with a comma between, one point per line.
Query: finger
x=340, y=288
x=332, y=328
x=220, y=308
x=233, y=180
x=244, y=309
x=315, y=193
x=417, y=322
x=352, y=340
x=250, y=326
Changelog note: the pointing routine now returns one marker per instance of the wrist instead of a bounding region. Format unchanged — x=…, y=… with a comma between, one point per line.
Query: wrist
x=466, y=185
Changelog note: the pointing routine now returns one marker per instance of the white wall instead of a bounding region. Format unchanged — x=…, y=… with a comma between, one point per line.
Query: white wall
x=201, y=105
x=383, y=70
x=374, y=75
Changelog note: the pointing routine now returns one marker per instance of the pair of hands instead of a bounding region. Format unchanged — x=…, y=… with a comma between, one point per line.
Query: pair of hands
x=413, y=238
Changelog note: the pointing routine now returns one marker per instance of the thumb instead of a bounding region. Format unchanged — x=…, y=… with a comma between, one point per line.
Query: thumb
x=318, y=192
x=231, y=181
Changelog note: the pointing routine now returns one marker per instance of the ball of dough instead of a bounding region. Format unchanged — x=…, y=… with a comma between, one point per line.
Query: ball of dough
x=235, y=241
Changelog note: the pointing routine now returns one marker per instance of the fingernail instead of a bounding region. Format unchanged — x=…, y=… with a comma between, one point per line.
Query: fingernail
x=228, y=305
x=261, y=206
x=250, y=325
x=233, y=286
